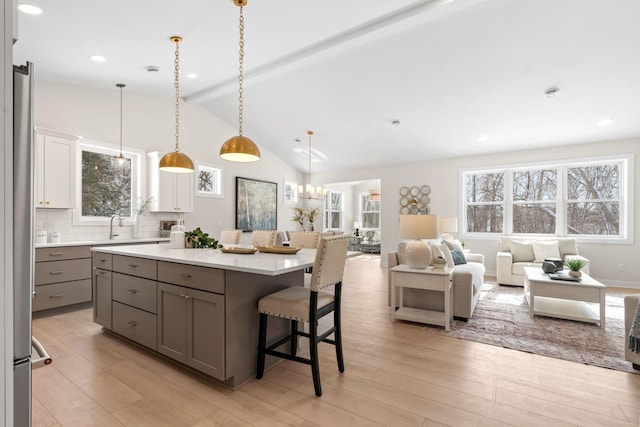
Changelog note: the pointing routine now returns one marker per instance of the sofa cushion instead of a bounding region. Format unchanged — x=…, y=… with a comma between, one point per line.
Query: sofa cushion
x=567, y=246
x=545, y=249
x=458, y=256
x=402, y=253
x=477, y=273
x=517, y=268
x=522, y=251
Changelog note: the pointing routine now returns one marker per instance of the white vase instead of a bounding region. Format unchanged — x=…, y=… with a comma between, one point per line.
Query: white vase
x=137, y=226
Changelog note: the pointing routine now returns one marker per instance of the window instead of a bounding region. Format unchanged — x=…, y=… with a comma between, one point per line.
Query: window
x=108, y=185
x=369, y=212
x=333, y=210
x=582, y=198
x=208, y=181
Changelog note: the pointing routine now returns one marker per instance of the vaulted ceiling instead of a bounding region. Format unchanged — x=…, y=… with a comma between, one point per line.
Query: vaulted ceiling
x=461, y=77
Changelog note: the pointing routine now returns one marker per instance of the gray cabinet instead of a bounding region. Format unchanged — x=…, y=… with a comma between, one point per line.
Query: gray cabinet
x=62, y=277
x=191, y=328
x=102, y=297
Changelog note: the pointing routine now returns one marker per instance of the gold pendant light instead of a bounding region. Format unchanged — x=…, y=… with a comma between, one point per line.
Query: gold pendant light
x=176, y=161
x=240, y=148
x=121, y=158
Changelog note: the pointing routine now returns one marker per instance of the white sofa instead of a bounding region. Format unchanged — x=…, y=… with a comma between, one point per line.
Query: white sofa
x=467, y=284
x=515, y=253
x=630, y=304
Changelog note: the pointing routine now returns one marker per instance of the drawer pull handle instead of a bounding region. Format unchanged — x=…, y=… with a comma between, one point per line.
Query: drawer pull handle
x=133, y=265
x=55, y=296
x=133, y=324
x=186, y=276
x=56, y=272
x=187, y=297
x=102, y=273
x=133, y=291
x=102, y=260
x=55, y=253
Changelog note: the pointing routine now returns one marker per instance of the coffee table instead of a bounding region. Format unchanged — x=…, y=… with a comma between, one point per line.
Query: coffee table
x=563, y=299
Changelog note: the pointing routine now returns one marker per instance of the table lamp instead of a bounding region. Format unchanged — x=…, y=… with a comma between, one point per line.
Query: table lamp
x=418, y=227
x=448, y=225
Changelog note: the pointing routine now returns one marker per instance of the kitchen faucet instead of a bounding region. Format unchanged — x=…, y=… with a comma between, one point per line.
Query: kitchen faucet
x=111, y=235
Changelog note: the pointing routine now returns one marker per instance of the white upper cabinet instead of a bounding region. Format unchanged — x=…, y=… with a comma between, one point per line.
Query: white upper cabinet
x=171, y=192
x=54, y=172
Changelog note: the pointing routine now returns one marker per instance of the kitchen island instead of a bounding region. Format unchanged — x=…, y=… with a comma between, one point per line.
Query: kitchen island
x=195, y=306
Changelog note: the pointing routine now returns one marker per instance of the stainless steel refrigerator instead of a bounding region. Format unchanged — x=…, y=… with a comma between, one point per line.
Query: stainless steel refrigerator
x=23, y=247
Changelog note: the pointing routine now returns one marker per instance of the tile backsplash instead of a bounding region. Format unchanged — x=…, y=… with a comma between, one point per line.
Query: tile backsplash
x=61, y=221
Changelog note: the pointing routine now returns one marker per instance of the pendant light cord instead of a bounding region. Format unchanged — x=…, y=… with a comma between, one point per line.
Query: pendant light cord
x=120, y=85
x=240, y=73
x=176, y=84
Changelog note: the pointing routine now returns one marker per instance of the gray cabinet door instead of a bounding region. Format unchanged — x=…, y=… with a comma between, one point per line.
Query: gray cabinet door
x=172, y=321
x=205, y=333
x=102, y=297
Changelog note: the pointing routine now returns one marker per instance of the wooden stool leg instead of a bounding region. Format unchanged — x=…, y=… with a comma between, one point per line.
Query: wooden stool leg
x=262, y=343
x=338, y=338
x=313, y=352
x=294, y=337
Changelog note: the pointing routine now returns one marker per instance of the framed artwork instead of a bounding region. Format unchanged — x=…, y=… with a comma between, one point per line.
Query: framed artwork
x=290, y=193
x=208, y=181
x=256, y=204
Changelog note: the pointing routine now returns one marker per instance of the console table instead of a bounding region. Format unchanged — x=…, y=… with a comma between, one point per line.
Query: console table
x=402, y=276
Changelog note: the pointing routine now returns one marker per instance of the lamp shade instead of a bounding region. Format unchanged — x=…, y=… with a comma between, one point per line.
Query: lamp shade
x=418, y=227
x=357, y=224
x=240, y=149
x=448, y=225
x=176, y=162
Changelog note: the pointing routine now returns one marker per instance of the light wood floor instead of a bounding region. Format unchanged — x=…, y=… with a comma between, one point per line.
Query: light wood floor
x=396, y=375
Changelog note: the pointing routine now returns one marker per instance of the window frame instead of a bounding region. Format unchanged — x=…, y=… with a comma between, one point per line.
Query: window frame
x=137, y=178
x=362, y=212
x=626, y=197
x=327, y=211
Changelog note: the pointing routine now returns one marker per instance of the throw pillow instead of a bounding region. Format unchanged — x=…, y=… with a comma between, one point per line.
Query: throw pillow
x=567, y=246
x=446, y=254
x=522, y=251
x=544, y=250
x=453, y=244
x=458, y=257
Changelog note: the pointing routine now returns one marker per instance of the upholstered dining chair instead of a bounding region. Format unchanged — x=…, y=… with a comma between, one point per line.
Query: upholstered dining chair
x=264, y=237
x=231, y=237
x=304, y=239
x=301, y=304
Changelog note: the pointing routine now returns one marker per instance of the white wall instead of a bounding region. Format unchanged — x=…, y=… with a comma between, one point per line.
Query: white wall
x=443, y=177
x=149, y=125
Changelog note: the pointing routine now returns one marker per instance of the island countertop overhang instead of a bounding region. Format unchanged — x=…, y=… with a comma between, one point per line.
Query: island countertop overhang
x=258, y=263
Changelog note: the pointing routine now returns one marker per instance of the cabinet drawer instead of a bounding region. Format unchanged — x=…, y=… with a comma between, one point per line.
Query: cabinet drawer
x=191, y=276
x=135, y=291
x=58, y=254
x=137, y=325
x=61, y=294
x=62, y=271
x=140, y=267
x=103, y=261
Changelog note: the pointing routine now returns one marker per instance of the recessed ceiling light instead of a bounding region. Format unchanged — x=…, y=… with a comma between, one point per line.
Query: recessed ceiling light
x=396, y=123
x=192, y=75
x=483, y=138
x=152, y=68
x=30, y=9
x=551, y=92
x=98, y=58
x=605, y=122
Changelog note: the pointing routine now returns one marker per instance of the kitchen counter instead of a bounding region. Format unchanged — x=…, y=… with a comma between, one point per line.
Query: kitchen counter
x=102, y=242
x=258, y=263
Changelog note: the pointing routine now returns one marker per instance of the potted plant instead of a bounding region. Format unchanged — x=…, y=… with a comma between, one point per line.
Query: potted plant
x=298, y=216
x=311, y=216
x=575, y=265
x=198, y=239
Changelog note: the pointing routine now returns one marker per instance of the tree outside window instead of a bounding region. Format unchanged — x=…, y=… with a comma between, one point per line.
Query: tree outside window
x=106, y=185
x=534, y=198
x=333, y=210
x=485, y=202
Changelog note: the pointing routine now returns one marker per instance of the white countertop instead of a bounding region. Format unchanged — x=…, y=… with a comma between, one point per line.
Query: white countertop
x=258, y=263
x=102, y=242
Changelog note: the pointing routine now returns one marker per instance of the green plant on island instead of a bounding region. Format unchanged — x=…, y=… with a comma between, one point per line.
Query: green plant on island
x=198, y=239
x=575, y=264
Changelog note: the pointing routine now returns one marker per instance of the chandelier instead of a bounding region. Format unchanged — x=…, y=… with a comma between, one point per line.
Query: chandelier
x=308, y=191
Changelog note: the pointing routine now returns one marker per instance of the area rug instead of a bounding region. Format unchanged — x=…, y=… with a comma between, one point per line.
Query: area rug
x=501, y=318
